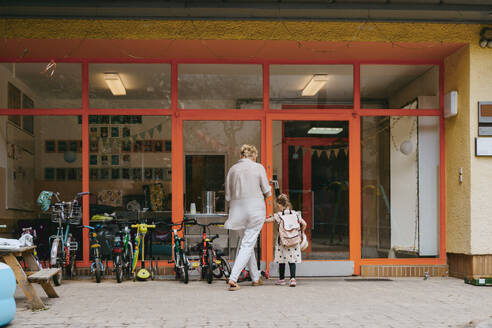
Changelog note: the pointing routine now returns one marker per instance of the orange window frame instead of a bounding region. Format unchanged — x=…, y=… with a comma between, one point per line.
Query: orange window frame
x=265, y=116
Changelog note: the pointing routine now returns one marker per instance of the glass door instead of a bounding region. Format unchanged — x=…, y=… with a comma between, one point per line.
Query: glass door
x=310, y=164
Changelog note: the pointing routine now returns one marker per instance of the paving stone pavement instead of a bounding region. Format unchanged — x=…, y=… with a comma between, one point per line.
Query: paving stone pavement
x=323, y=302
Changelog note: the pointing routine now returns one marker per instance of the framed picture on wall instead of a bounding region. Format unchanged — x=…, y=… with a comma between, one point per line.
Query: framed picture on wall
x=125, y=159
x=93, y=132
x=148, y=146
x=104, y=160
x=115, y=132
x=104, y=174
x=168, y=145
x=148, y=174
x=61, y=146
x=138, y=146
x=50, y=146
x=115, y=160
x=115, y=174
x=125, y=173
x=158, y=173
x=158, y=146
x=125, y=132
x=73, y=145
x=93, y=159
x=49, y=173
x=60, y=174
x=93, y=174
x=103, y=131
x=137, y=173
x=126, y=146
x=93, y=146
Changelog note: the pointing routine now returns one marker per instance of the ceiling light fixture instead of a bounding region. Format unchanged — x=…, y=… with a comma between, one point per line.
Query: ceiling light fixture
x=316, y=130
x=315, y=84
x=115, y=84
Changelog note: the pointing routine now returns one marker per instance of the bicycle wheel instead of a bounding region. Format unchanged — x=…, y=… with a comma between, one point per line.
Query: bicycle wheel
x=152, y=272
x=98, y=269
x=225, y=268
x=128, y=260
x=177, y=265
x=55, y=255
x=210, y=267
x=118, y=269
x=73, y=269
x=185, y=269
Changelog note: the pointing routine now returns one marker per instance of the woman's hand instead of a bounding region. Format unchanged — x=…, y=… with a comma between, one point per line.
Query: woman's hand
x=269, y=218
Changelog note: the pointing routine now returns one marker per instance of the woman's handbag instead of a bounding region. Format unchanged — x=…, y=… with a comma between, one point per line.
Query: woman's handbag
x=304, y=242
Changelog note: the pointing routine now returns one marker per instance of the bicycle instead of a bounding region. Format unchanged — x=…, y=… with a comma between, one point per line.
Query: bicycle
x=97, y=267
x=180, y=260
x=63, y=245
x=122, y=254
x=143, y=273
x=212, y=261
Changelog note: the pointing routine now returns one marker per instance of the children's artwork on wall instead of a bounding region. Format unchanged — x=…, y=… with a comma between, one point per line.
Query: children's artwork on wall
x=115, y=174
x=104, y=160
x=148, y=174
x=125, y=133
x=137, y=146
x=115, y=132
x=104, y=174
x=125, y=173
x=93, y=132
x=158, y=146
x=49, y=173
x=71, y=174
x=73, y=145
x=60, y=174
x=93, y=159
x=61, y=146
x=93, y=146
x=50, y=146
x=126, y=146
x=137, y=174
x=148, y=146
x=94, y=174
x=103, y=131
x=110, y=197
x=115, y=160
x=158, y=173
x=115, y=146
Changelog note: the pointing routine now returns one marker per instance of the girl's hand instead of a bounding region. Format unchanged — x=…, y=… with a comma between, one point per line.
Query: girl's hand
x=269, y=218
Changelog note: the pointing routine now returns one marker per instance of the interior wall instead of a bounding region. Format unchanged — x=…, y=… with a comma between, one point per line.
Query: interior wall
x=458, y=149
x=425, y=85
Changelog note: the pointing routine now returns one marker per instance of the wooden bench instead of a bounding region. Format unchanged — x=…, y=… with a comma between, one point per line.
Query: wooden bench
x=31, y=273
x=43, y=277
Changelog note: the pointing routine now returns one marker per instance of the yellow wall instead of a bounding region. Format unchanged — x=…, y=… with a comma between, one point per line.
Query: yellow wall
x=236, y=30
x=458, y=147
x=481, y=167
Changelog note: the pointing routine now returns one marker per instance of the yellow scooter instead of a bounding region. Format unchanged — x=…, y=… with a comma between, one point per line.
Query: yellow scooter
x=142, y=274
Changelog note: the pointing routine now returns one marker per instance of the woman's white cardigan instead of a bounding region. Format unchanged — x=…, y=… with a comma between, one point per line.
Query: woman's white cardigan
x=246, y=188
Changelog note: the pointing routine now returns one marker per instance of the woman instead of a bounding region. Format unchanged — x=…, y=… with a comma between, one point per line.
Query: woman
x=246, y=189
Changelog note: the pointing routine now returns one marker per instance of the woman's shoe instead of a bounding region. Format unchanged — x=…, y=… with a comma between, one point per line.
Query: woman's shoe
x=292, y=282
x=280, y=282
x=257, y=283
x=233, y=285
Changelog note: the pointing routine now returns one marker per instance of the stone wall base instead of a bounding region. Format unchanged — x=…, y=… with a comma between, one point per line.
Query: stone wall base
x=403, y=270
x=470, y=266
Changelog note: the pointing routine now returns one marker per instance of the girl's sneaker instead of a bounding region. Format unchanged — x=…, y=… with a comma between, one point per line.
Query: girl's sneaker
x=280, y=282
x=292, y=282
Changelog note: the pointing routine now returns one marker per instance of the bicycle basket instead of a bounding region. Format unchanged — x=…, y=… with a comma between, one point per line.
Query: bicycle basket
x=72, y=213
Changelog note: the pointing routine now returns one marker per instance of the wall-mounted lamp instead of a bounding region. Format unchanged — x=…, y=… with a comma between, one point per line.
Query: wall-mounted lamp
x=486, y=37
x=315, y=84
x=115, y=84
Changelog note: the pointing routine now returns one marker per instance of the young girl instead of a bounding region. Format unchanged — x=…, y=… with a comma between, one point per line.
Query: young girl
x=283, y=255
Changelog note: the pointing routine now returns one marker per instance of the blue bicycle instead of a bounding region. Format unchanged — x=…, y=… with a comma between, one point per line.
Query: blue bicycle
x=63, y=245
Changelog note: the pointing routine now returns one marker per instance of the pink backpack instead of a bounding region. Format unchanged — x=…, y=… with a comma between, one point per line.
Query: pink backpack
x=289, y=229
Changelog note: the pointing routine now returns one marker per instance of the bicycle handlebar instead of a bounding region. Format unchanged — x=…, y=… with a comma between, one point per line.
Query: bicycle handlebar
x=209, y=224
x=148, y=225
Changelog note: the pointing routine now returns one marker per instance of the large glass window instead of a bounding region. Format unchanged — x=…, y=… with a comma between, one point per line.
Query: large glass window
x=220, y=86
x=40, y=85
x=311, y=86
x=45, y=157
x=130, y=86
x=210, y=149
x=400, y=187
x=310, y=164
x=130, y=173
x=399, y=86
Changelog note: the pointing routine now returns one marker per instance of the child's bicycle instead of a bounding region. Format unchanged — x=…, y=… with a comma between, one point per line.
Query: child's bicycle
x=97, y=266
x=180, y=260
x=212, y=261
x=142, y=273
x=123, y=254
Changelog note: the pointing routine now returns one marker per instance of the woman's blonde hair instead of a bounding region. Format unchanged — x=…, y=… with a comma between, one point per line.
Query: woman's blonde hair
x=284, y=200
x=249, y=151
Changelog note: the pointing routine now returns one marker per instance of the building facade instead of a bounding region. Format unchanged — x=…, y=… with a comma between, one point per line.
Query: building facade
x=348, y=117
